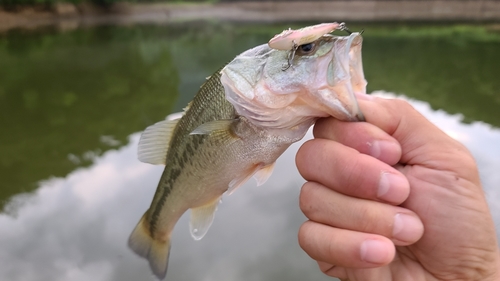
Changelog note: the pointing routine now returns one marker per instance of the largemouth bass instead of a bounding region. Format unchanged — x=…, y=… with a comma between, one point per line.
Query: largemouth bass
x=241, y=120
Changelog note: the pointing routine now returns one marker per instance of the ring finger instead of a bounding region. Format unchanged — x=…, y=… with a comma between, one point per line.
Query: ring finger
x=326, y=206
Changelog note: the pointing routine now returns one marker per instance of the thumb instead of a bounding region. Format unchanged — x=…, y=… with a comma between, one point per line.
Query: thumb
x=422, y=143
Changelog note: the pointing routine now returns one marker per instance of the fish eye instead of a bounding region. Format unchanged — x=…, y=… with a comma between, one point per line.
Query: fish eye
x=306, y=49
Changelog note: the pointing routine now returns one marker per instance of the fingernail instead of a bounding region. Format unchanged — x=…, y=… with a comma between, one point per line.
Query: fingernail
x=392, y=188
x=386, y=151
x=379, y=146
x=374, y=251
x=407, y=228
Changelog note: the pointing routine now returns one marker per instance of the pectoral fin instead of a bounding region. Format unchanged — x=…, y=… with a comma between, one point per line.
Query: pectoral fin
x=154, y=142
x=213, y=126
x=202, y=218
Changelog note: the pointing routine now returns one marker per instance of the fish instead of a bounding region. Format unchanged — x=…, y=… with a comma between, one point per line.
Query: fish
x=244, y=116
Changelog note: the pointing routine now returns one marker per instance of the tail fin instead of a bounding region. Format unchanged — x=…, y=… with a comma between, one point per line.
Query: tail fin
x=156, y=251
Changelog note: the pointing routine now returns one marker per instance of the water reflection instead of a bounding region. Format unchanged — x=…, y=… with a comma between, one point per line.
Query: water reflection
x=76, y=228
x=67, y=97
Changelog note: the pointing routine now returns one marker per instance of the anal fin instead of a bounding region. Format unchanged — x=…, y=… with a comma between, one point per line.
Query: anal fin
x=202, y=218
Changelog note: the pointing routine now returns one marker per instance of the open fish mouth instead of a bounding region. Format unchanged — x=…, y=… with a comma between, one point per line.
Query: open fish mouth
x=345, y=79
x=358, y=81
x=320, y=80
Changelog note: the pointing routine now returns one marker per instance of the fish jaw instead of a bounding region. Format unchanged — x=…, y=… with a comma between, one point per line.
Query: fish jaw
x=355, y=82
x=344, y=80
x=320, y=85
x=338, y=78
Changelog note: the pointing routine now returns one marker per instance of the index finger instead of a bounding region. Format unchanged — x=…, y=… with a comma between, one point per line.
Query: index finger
x=422, y=143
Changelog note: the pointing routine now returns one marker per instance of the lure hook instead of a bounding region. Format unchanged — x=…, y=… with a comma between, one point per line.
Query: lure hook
x=291, y=56
x=343, y=27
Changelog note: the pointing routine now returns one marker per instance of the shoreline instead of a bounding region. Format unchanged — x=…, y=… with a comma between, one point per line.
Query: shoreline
x=68, y=16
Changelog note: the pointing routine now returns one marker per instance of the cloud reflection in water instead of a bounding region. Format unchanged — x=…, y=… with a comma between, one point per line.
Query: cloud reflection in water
x=76, y=228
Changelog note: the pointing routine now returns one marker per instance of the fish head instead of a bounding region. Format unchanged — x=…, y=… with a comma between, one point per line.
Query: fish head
x=282, y=89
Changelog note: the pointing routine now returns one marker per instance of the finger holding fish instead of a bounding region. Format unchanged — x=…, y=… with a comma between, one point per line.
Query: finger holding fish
x=325, y=205
x=351, y=172
x=363, y=137
x=345, y=248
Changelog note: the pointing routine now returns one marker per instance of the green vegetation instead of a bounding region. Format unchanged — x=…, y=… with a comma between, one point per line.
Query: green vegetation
x=65, y=97
x=44, y=4
x=451, y=67
x=41, y=4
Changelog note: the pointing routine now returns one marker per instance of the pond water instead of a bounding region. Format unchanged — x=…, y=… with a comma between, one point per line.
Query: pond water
x=73, y=103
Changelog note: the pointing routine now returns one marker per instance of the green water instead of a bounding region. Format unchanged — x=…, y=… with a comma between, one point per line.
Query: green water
x=68, y=98
x=60, y=92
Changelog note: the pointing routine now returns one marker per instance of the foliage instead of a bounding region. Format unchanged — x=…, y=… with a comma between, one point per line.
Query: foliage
x=68, y=97
x=39, y=4
x=15, y=4
x=451, y=67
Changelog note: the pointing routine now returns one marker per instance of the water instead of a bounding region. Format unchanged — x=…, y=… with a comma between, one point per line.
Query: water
x=72, y=105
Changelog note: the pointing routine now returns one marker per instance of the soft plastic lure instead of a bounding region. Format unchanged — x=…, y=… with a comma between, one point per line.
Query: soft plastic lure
x=289, y=39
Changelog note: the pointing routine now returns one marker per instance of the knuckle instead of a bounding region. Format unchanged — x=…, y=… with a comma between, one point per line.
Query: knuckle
x=301, y=152
x=399, y=104
x=303, y=156
x=351, y=176
x=398, y=108
x=304, y=235
x=332, y=247
x=323, y=128
x=371, y=221
x=325, y=267
x=307, y=199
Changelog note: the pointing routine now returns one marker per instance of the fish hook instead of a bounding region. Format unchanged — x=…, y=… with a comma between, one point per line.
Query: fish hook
x=343, y=27
x=291, y=56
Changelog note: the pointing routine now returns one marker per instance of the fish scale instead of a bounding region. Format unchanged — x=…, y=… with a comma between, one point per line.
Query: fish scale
x=201, y=110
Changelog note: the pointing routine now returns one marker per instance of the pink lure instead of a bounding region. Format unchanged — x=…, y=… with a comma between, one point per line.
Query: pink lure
x=288, y=38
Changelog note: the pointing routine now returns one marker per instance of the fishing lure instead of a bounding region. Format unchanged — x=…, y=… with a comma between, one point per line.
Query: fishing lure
x=291, y=39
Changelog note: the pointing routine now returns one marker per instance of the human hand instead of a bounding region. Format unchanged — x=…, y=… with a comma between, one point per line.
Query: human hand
x=394, y=198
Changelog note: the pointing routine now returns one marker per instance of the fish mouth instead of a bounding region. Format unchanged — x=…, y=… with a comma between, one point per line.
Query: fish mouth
x=345, y=80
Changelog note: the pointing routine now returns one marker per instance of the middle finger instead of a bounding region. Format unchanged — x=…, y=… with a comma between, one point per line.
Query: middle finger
x=323, y=205
x=347, y=171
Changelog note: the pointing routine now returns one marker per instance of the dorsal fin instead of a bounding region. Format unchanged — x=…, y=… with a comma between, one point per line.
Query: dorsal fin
x=154, y=142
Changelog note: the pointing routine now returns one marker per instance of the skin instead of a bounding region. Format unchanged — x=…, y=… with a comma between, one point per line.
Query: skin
x=394, y=198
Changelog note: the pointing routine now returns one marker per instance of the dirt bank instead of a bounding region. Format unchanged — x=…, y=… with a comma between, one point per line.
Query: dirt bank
x=67, y=15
